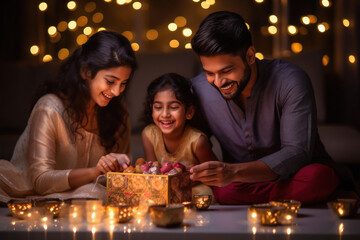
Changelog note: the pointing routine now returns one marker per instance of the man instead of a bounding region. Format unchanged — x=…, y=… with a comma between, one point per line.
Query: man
x=263, y=114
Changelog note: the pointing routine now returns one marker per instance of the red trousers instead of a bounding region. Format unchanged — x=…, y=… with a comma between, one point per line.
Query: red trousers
x=312, y=183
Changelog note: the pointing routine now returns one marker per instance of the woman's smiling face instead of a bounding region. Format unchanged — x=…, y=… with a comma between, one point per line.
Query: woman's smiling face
x=107, y=84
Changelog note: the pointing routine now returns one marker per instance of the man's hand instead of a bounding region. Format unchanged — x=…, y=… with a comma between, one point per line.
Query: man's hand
x=213, y=173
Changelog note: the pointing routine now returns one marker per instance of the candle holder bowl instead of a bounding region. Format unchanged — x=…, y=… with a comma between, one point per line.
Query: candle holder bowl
x=20, y=208
x=202, y=202
x=167, y=216
x=344, y=208
x=292, y=206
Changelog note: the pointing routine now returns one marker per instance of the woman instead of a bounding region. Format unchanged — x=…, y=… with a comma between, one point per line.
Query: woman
x=78, y=128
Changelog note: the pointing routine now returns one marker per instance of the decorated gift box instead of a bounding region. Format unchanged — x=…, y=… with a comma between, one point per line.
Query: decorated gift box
x=132, y=188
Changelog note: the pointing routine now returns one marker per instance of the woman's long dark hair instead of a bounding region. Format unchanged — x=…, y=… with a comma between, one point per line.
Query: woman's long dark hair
x=103, y=50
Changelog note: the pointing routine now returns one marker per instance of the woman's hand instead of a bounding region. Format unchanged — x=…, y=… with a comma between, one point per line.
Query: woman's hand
x=113, y=162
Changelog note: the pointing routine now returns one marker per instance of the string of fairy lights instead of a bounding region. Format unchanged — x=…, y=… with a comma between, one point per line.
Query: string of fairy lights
x=86, y=25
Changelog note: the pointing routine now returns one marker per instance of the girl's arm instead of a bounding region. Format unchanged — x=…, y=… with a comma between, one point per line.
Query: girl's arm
x=203, y=150
x=148, y=148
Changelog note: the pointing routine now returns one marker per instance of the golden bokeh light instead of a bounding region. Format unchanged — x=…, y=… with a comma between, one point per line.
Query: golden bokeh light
x=322, y=27
x=187, y=32
x=107, y=1
x=72, y=25
x=259, y=1
x=71, y=5
x=172, y=27
x=292, y=30
x=210, y=2
x=325, y=60
x=247, y=25
x=120, y=2
x=152, y=34
x=47, y=58
x=82, y=21
x=62, y=26
x=88, y=31
x=305, y=20
x=63, y=53
x=196, y=0
x=296, y=47
x=81, y=39
x=43, y=6
x=34, y=50
x=259, y=55
x=272, y=30
x=352, y=59
x=312, y=18
x=98, y=17
x=90, y=7
x=52, y=30
x=273, y=19
x=346, y=22
x=101, y=29
x=129, y=35
x=137, y=5
x=188, y=46
x=180, y=21
x=135, y=46
x=205, y=5
x=174, y=43
x=325, y=3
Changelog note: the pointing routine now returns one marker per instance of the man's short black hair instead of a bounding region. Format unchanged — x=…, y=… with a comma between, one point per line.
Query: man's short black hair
x=222, y=32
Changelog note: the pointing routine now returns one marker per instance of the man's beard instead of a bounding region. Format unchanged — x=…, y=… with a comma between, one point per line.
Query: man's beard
x=241, y=85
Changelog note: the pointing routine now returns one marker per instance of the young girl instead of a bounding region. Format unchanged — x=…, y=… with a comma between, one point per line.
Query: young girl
x=170, y=105
x=78, y=128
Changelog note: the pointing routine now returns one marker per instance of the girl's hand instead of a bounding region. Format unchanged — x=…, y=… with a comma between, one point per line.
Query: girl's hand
x=113, y=162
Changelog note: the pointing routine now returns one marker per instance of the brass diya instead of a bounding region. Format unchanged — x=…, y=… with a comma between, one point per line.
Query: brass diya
x=202, y=202
x=20, y=208
x=344, y=208
x=292, y=206
x=51, y=206
x=266, y=214
x=167, y=216
x=126, y=213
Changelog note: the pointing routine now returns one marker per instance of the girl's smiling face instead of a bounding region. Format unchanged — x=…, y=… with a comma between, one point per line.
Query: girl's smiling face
x=107, y=84
x=169, y=114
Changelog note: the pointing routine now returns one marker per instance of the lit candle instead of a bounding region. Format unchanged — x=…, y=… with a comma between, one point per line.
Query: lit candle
x=94, y=211
x=75, y=213
x=202, y=202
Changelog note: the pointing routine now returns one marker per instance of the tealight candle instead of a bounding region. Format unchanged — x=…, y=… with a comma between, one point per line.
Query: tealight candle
x=202, y=202
x=292, y=206
x=111, y=214
x=272, y=216
x=94, y=211
x=344, y=208
x=126, y=213
x=75, y=213
x=20, y=209
x=189, y=210
x=254, y=212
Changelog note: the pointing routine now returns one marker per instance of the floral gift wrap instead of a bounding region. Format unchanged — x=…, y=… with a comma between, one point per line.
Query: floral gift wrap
x=132, y=188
